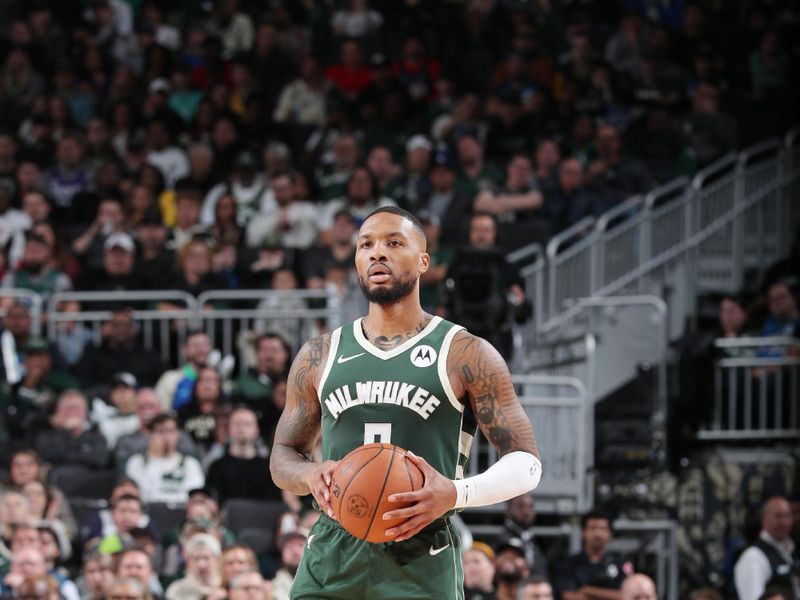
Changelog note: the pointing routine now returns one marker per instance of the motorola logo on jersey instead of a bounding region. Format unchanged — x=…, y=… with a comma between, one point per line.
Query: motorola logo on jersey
x=423, y=356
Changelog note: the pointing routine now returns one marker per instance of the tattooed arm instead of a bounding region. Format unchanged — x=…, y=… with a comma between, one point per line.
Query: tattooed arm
x=477, y=372
x=291, y=462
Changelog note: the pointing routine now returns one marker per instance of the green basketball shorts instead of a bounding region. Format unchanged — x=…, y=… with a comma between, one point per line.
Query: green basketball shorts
x=336, y=565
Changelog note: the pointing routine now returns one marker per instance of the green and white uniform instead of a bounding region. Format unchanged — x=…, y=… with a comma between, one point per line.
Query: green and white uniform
x=403, y=397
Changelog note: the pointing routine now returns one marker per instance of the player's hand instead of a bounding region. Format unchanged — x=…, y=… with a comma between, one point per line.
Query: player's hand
x=436, y=496
x=318, y=479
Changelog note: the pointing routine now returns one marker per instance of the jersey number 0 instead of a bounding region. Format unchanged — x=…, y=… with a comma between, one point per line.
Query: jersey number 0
x=377, y=432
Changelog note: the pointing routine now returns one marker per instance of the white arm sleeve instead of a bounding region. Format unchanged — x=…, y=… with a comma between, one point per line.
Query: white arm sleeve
x=514, y=474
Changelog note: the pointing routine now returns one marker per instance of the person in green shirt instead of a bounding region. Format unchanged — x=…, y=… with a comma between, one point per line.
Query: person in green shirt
x=475, y=174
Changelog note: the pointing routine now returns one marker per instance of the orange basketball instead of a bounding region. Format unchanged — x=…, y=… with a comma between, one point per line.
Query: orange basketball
x=363, y=481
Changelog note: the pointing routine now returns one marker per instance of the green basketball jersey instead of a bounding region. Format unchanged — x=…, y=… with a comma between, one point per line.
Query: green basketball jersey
x=400, y=396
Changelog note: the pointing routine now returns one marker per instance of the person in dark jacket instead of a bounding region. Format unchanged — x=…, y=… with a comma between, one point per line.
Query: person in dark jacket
x=71, y=439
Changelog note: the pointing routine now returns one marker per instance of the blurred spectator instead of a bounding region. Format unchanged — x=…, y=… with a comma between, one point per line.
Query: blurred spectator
x=440, y=259
x=117, y=272
x=139, y=202
x=225, y=229
x=13, y=224
x=17, y=324
x=510, y=569
x=96, y=578
x=292, y=224
x=303, y=101
x=772, y=559
x=125, y=517
x=705, y=594
x=69, y=176
x=26, y=402
x=292, y=546
x=174, y=387
x=127, y=588
x=38, y=271
x=197, y=416
x=232, y=26
x=201, y=169
x=244, y=470
x=536, y=588
x=195, y=273
x=249, y=187
x=168, y=158
x=478, y=567
x=163, y=473
x=333, y=179
x=593, y=572
x=638, y=587
x=520, y=517
x=444, y=200
x=350, y=76
x=203, y=577
x=148, y=406
x=361, y=197
x=89, y=246
x=769, y=66
x=117, y=416
x=29, y=564
x=272, y=361
x=784, y=317
x=413, y=181
x=273, y=62
x=36, y=205
x=250, y=585
x=614, y=178
x=711, y=133
x=135, y=563
x=155, y=262
x=475, y=174
x=119, y=352
x=358, y=20
x=187, y=218
x=71, y=438
x=237, y=559
x=570, y=200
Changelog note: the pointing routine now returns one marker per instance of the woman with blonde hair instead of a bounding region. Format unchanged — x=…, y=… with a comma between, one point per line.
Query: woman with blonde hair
x=203, y=573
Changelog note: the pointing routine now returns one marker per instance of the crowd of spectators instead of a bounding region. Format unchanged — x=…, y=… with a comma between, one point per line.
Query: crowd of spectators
x=237, y=144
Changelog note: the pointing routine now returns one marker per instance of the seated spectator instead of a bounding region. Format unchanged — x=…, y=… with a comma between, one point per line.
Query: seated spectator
x=711, y=133
x=638, y=587
x=136, y=564
x=784, y=317
x=187, y=219
x=129, y=515
x=89, y=246
x=71, y=438
x=510, y=568
x=360, y=198
x=155, y=262
x=272, y=360
x=475, y=173
x=117, y=417
x=303, y=101
x=225, y=230
x=168, y=158
x=147, y=408
x=441, y=257
x=119, y=352
x=68, y=177
x=129, y=588
x=163, y=473
x=247, y=185
x=126, y=515
x=535, y=588
x=771, y=561
x=72, y=336
x=197, y=416
x=117, y=272
x=570, y=200
x=174, y=387
x=42, y=509
x=237, y=559
x=56, y=548
x=97, y=575
x=593, y=572
x=37, y=270
x=332, y=178
x=29, y=563
x=15, y=523
x=203, y=577
x=250, y=585
x=293, y=223
x=338, y=252
x=478, y=567
x=243, y=472
x=17, y=322
x=292, y=546
x=612, y=177
x=25, y=468
x=350, y=76
x=27, y=402
x=14, y=223
x=44, y=587
x=520, y=517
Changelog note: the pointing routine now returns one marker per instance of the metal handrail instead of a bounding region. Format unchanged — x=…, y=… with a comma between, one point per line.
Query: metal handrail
x=715, y=168
x=520, y=254
x=553, y=246
x=759, y=150
x=679, y=184
x=740, y=342
x=627, y=209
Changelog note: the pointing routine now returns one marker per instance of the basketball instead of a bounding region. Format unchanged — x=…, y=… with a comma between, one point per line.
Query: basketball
x=362, y=483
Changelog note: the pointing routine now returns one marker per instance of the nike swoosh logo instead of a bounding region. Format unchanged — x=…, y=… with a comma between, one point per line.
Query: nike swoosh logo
x=437, y=550
x=311, y=539
x=343, y=359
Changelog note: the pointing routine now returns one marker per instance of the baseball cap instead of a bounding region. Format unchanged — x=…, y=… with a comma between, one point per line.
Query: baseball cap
x=120, y=240
x=418, y=141
x=36, y=344
x=160, y=84
x=444, y=158
x=294, y=534
x=152, y=217
x=484, y=548
x=124, y=378
x=511, y=543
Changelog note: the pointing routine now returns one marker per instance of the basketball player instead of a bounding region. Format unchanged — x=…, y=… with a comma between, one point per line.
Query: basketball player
x=404, y=377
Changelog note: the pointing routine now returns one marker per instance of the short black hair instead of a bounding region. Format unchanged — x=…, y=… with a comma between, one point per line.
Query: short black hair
x=396, y=210
x=596, y=514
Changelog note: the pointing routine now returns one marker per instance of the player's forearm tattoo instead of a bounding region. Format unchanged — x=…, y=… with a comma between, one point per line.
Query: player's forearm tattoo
x=386, y=343
x=488, y=385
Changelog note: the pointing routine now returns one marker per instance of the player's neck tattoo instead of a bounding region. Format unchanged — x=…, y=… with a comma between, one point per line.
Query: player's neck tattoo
x=388, y=343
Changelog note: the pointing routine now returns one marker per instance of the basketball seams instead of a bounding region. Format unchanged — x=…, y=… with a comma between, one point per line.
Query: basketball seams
x=383, y=488
x=346, y=487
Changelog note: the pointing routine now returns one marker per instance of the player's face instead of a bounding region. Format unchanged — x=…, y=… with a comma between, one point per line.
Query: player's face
x=390, y=256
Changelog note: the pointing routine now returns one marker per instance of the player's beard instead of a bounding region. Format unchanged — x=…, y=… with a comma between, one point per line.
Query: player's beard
x=388, y=294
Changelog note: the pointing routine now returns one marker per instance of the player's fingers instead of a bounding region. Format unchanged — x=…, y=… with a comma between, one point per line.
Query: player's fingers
x=410, y=528
x=417, y=460
x=407, y=496
x=401, y=513
x=323, y=498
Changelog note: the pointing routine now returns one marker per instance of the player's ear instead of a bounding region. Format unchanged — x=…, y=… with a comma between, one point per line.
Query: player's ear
x=424, y=262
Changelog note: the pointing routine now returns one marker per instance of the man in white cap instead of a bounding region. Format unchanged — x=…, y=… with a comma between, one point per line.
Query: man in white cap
x=414, y=183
